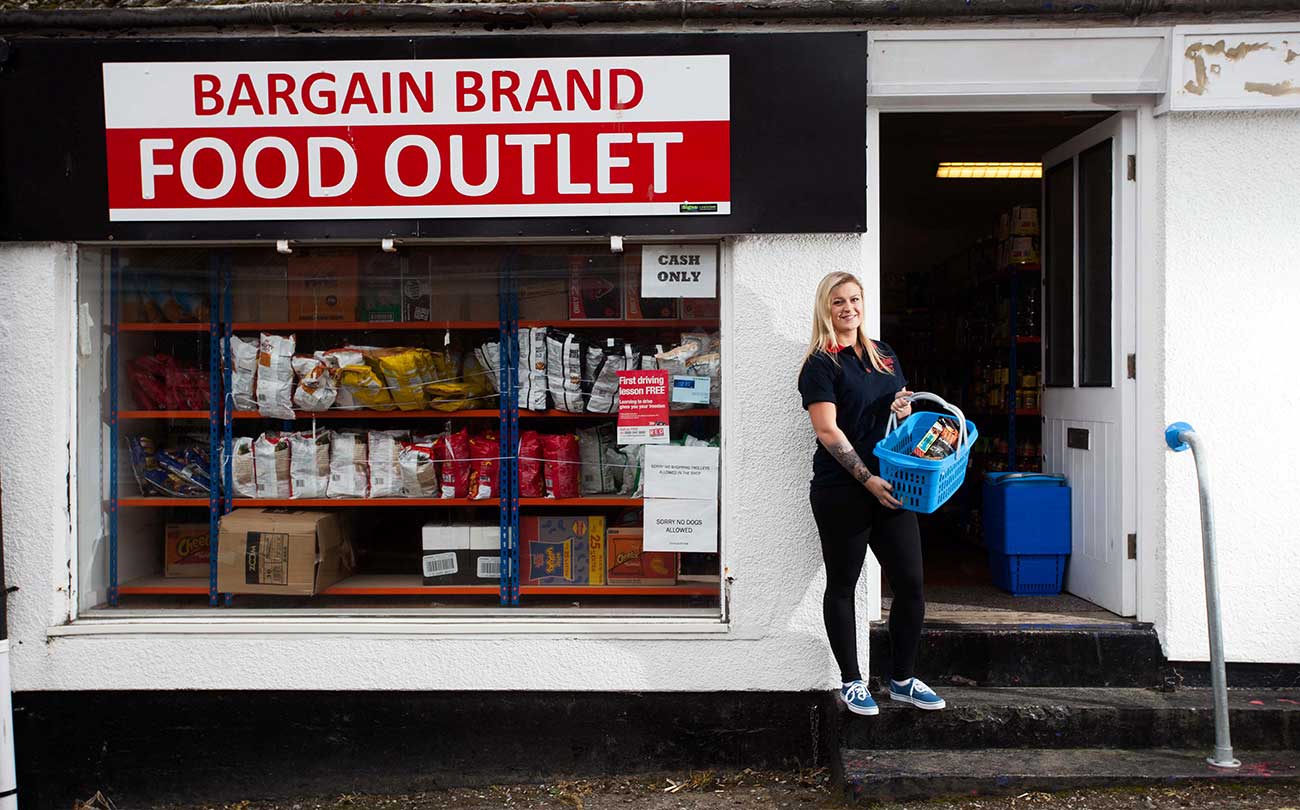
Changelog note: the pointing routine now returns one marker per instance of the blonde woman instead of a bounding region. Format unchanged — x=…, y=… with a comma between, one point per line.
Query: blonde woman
x=849, y=384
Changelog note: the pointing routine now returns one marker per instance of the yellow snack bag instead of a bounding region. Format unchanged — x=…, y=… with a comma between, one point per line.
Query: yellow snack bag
x=406, y=371
x=366, y=387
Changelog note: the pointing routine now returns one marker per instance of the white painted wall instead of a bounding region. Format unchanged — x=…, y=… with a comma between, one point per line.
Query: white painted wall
x=1231, y=252
x=776, y=640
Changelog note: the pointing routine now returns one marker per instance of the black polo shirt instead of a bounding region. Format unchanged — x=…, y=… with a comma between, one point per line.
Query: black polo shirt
x=862, y=397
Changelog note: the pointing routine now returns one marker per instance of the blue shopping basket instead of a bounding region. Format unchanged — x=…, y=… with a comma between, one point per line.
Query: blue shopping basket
x=923, y=484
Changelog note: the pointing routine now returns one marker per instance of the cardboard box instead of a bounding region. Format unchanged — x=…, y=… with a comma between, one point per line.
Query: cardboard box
x=417, y=293
x=544, y=299
x=462, y=285
x=696, y=309
x=595, y=288
x=637, y=308
x=186, y=550
x=1023, y=221
x=381, y=288
x=323, y=285
x=626, y=563
x=258, y=288
x=1023, y=250
x=282, y=552
x=562, y=550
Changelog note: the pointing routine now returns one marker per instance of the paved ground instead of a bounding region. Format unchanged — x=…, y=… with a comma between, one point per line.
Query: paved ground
x=748, y=789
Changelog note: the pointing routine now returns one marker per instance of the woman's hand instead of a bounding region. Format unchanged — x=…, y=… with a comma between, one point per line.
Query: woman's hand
x=901, y=407
x=881, y=490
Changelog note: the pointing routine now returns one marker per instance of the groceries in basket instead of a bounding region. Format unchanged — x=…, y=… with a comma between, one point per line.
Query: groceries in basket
x=940, y=441
x=924, y=458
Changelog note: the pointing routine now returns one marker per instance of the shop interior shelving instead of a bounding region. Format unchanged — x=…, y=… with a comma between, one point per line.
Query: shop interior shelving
x=220, y=421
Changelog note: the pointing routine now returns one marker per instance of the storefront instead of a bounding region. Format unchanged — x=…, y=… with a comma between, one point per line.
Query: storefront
x=384, y=214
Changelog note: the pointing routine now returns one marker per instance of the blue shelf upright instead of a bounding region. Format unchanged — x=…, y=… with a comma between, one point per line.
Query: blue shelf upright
x=114, y=315
x=226, y=391
x=508, y=404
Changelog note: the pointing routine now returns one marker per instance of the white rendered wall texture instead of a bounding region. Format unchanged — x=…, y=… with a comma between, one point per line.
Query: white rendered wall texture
x=1232, y=245
x=776, y=640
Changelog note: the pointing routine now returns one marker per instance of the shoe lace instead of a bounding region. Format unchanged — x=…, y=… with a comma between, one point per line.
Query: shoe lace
x=919, y=686
x=856, y=691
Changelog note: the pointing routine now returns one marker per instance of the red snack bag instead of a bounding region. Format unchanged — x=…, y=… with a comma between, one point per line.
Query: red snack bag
x=530, y=465
x=453, y=451
x=563, y=468
x=149, y=392
x=483, y=465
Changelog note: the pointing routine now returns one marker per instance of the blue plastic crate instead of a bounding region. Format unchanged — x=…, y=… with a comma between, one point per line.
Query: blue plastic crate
x=1028, y=574
x=1026, y=513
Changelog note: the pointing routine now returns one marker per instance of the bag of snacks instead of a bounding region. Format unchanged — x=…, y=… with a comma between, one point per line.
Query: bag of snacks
x=316, y=390
x=385, y=447
x=564, y=356
x=419, y=471
x=275, y=376
x=562, y=468
x=452, y=453
x=349, y=470
x=406, y=371
x=532, y=368
x=531, y=484
x=603, y=365
x=243, y=373
x=309, y=464
x=593, y=445
x=271, y=466
x=708, y=365
x=365, y=386
x=483, y=466
x=243, y=477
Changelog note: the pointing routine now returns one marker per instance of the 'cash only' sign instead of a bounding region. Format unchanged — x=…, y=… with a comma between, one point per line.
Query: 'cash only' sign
x=679, y=271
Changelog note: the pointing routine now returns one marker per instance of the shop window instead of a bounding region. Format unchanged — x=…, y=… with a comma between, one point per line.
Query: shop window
x=345, y=428
x=1095, y=222
x=1058, y=227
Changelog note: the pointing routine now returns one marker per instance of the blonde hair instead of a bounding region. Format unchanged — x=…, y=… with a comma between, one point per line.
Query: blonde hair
x=823, y=325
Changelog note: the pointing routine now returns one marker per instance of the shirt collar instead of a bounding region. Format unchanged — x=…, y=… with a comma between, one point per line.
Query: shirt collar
x=835, y=348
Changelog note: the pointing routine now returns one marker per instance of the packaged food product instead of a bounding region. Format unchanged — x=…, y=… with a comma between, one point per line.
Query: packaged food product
x=934, y=436
x=181, y=471
x=419, y=471
x=349, y=468
x=484, y=465
x=564, y=356
x=242, y=474
x=597, y=476
x=316, y=389
x=603, y=365
x=452, y=453
x=406, y=371
x=616, y=461
x=531, y=484
x=160, y=382
x=532, y=368
x=187, y=388
x=561, y=471
x=946, y=444
x=271, y=465
x=243, y=373
x=708, y=365
x=385, y=448
x=275, y=376
x=187, y=550
x=309, y=464
x=364, y=385
x=489, y=357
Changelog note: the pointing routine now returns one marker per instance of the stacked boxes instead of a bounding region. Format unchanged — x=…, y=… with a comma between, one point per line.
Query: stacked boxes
x=186, y=551
x=562, y=550
x=460, y=555
x=1018, y=237
x=627, y=563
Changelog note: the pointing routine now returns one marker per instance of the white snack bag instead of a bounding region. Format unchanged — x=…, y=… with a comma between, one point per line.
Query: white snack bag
x=317, y=388
x=676, y=361
x=243, y=476
x=385, y=451
x=603, y=365
x=349, y=475
x=633, y=470
x=489, y=357
x=271, y=466
x=532, y=368
x=564, y=371
x=419, y=472
x=708, y=365
x=309, y=464
x=275, y=376
x=593, y=450
x=243, y=373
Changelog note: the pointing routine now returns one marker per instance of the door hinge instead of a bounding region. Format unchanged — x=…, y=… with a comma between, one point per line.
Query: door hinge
x=1132, y=366
x=1132, y=167
x=1132, y=546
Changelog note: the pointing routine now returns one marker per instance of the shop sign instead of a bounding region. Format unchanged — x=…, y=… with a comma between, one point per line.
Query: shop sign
x=681, y=472
x=673, y=524
x=679, y=271
x=642, y=407
x=418, y=138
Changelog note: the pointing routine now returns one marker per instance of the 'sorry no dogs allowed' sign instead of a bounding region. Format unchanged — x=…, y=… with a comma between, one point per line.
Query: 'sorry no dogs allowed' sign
x=679, y=271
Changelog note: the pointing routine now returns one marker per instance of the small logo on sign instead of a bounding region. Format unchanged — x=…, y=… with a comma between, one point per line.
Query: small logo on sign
x=698, y=208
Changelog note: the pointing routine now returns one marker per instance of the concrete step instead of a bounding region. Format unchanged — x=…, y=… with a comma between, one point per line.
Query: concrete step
x=881, y=775
x=1072, y=717
x=1122, y=654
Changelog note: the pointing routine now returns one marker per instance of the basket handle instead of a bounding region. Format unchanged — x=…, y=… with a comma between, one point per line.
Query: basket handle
x=961, y=418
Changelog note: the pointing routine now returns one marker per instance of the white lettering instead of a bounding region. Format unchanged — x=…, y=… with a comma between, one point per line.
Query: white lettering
x=227, y=181
x=458, y=167
x=433, y=158
x=148, y=169
x=528, y=166
x=563, y=173
x=606, y=161
x=344, y=149
x=660, y=140
x=254, y=182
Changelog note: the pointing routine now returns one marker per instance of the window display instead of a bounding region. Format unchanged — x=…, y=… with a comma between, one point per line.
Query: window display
x=435, y=426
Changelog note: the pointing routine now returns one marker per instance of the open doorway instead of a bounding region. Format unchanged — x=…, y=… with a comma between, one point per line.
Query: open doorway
x=1007, y=295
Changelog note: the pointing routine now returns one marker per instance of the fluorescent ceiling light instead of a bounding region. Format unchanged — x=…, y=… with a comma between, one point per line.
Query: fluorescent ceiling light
x=991, y=171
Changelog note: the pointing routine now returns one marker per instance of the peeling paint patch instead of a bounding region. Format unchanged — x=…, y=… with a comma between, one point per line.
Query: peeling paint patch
x=1216, y=69
x=1285, y=88
x=1198, y=51
x=1291, y=56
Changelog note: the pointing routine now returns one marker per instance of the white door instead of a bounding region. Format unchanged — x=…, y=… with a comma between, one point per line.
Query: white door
x=1089, y=255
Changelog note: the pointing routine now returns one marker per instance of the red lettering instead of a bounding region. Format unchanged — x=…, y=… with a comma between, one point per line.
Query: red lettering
x=323, y=103
x=543, y=90
x=637, y=89
x=359, y=93
x=207, y=88
x=409, y=90
x=504, y=85
x=386, y=80
x=469, y=85
x=279, y=87
x=578, y=85
x=244, y=96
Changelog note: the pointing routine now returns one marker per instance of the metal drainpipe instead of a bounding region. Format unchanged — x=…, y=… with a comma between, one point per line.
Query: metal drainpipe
x=1180, y=436
x=611, y=11
x=8, y=770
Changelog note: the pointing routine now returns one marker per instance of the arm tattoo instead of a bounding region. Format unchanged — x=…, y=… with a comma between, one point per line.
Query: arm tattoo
x=851, y=461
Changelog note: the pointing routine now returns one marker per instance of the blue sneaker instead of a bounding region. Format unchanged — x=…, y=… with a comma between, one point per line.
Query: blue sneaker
x=915, y=692
x=858, y=699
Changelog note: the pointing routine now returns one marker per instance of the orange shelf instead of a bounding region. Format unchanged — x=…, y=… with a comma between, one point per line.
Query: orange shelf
x=618, y=590
x=580, y=501
x=139, y=502
x=619, y=323
x=523, y=414
x=350, y=502
x=404, y=585
x=358, y=326
x=163, y=327
x=370, y=414
x=204, y=415
x=165, y=586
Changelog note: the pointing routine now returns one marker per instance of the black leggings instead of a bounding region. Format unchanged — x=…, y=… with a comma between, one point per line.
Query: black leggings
x=848, y=520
